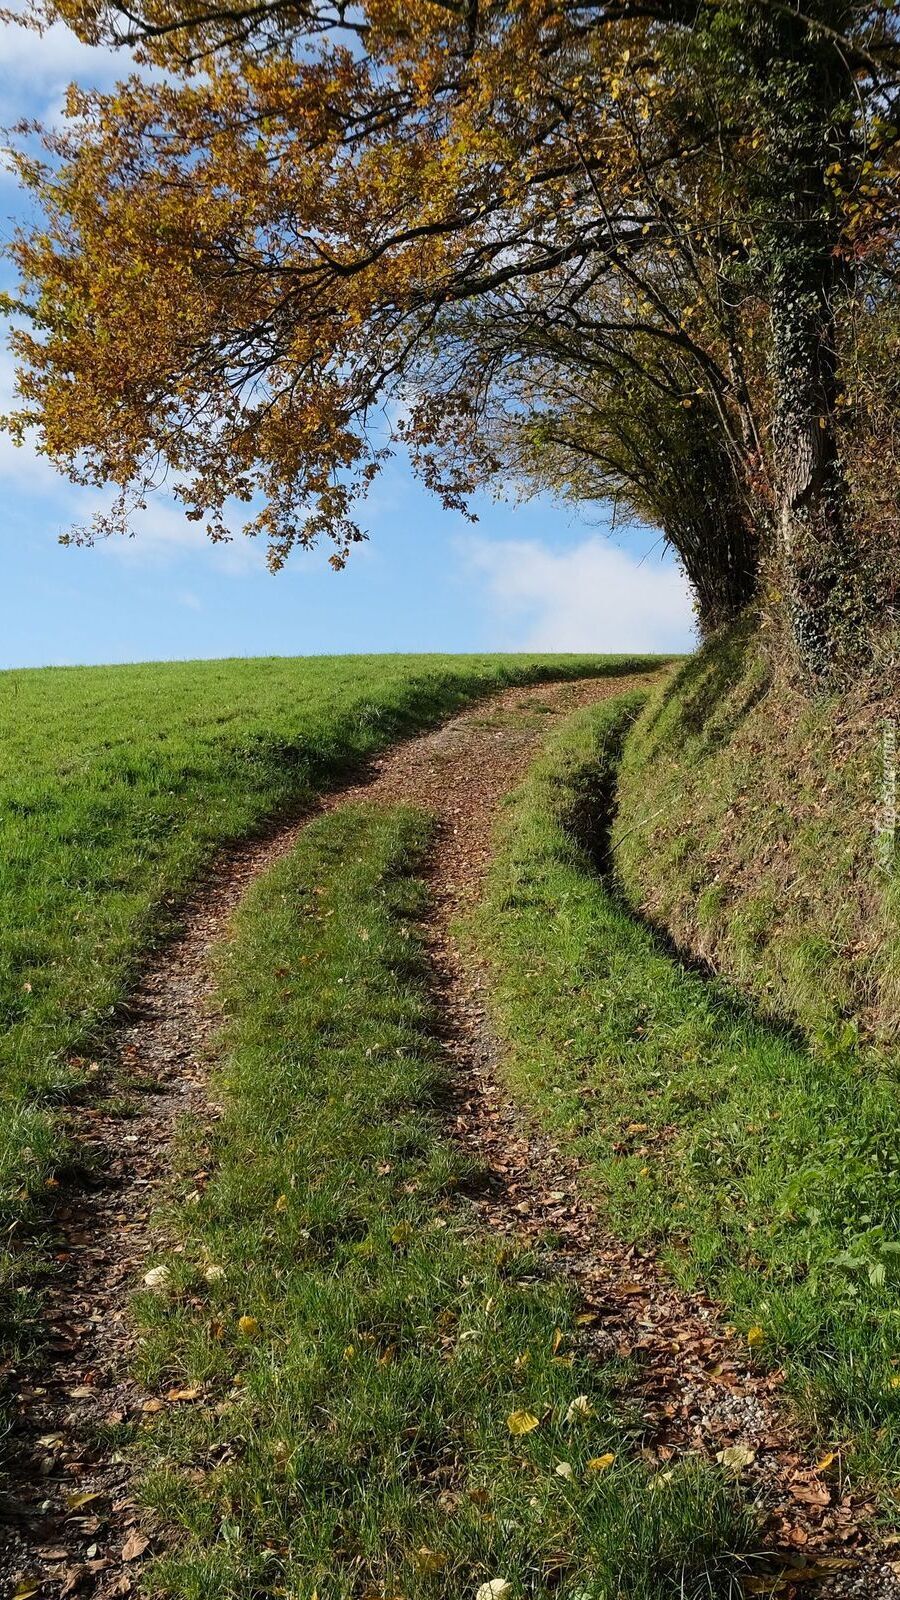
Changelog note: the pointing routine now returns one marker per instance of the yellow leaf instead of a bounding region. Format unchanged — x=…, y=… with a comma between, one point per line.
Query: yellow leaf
x=580, y=1409
x=557, y=1339
x=755, y=1337
x=826, y=1461
x=600, y=1463
x=563, y=1469
x=736, y=1457
x=248, y=1326
x=494, y=1589
x=425, y=1560
x=281, y=1204
x=76, y=1502
x=894, y=1382
x=519, y=1422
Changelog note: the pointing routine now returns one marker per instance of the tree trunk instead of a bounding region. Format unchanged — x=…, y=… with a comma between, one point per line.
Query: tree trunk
x=818, y=570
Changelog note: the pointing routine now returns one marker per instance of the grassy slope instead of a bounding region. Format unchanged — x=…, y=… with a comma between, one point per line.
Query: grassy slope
x=747, y=821
x=353, y=1439
x=768, y=1172
x=117, y=784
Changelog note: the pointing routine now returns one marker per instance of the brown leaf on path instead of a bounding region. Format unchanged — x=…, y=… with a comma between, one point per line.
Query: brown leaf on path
x=134, y=1546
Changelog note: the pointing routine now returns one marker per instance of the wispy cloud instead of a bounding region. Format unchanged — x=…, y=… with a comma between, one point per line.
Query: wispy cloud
x=593, y=596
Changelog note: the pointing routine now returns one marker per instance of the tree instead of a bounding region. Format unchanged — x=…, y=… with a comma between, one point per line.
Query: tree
x=238, y=264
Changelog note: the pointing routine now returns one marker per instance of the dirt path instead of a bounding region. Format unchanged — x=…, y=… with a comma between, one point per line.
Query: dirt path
x=71, y=1525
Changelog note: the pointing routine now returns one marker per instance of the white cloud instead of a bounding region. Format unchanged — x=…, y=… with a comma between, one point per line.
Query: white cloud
x=31, y=61
x=594, y=596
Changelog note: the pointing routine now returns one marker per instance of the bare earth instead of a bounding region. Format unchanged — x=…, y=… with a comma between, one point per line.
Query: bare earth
x=70, y=1523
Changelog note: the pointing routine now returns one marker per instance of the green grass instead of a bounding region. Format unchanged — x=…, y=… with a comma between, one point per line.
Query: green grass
x=748, y=814
x=353, y=1439
x=116, y=786
x=767, y=1172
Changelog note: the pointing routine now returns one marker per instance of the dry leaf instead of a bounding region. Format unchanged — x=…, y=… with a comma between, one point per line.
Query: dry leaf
x=755, y=1337
x=248, y=1326
x=134, y=1546
x=519, y=1422
x=184, y=1394
x=736, y=1457
x=494, y=1589
x=214, y=1274
x=426, y=1560
x=157, y=1278
x=600, y=1463
x=76, y=1501
x=563, y=1470
x=580, y=1409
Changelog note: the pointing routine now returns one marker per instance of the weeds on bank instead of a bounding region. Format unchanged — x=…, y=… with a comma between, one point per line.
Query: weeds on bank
x=378, y=1397
x=770, y=1173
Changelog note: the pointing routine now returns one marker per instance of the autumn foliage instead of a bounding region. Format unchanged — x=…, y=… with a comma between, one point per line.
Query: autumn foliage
x=636, y=249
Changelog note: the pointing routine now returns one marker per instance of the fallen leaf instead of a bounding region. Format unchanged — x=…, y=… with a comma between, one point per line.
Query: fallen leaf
x=25, y=1588
x=580, y=1409
x=736, y=1457
x=157, y=1278
x=134, y=1546
x=600, y=1463
x=755, y=1337
x=214, y=1274
x=184, y=1394
x=494, y=1589
x=563, y=1470
x=248, y=1326
x=427, y=1561
x=519, y=1422
x=76, y=1501
x=826, y=1461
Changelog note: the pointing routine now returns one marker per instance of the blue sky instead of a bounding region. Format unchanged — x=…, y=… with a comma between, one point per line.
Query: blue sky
x=533, y=576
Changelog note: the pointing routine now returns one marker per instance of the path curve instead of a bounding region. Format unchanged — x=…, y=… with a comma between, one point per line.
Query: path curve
x=73, y=1526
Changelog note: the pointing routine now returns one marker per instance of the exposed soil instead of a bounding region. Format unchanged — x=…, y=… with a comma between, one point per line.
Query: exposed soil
x=71, y=1524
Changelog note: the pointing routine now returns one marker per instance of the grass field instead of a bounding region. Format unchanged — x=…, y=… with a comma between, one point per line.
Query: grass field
x=117, y=785
x=383, y=1396
x=766, y=1171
